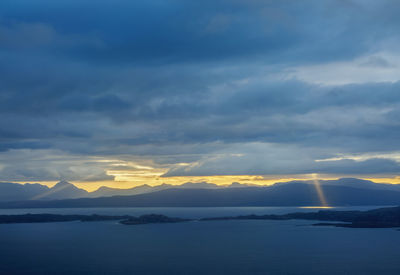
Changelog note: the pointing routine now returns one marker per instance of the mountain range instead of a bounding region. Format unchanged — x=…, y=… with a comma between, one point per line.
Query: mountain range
x=65, y=190
x=341, y=192
x=17, y=192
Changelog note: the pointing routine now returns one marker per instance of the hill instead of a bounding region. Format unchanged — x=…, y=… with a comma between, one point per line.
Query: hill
x=291, y=194
x=17, y=192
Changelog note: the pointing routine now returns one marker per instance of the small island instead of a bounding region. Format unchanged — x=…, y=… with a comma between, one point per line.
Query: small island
x=152, y=218
x=378, y=218
x=126, y=219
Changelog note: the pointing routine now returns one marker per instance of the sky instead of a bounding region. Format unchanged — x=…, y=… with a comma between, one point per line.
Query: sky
x=123, y=93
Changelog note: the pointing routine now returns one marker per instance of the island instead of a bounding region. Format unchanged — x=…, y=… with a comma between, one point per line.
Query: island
x=378, y=218
x=126, y=219
x=152, y=218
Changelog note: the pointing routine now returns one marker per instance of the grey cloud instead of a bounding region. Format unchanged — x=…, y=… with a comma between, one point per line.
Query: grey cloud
x=179, y=81
x=377, y=61
x=49, y=165
x=275, y=31
x=262, y=159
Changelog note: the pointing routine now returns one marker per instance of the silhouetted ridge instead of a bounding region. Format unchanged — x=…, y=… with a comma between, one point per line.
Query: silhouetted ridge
x=294, y=194
x=361, y=192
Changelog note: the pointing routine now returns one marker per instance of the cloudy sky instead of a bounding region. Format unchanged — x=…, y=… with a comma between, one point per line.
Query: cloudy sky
x=123, y=93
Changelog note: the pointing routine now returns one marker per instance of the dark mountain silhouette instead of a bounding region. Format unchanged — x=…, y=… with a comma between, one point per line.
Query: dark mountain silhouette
x=290, y=194
x=64, y=189
x=197, y=185
x=350, y=182
x=14, y=191
x=145, y=188
x=249, y=194
x=105, y=191
x=18, y=192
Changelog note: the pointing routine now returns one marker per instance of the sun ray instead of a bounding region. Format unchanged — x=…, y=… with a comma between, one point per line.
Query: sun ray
x=320, y=192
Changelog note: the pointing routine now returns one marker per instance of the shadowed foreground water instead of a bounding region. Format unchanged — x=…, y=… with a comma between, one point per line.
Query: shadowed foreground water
x=220, y=247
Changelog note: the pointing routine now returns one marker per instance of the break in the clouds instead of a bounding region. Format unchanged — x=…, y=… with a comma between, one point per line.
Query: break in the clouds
x=198, y=88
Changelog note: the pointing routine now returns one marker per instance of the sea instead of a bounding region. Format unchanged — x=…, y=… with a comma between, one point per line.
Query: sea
x=206, y=247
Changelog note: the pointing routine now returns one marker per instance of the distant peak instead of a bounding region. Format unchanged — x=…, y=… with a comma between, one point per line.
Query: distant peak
x=202, y=184
x=353, y=180
x=102, y=188
x=143, y=185
x=31, y=184
x=237, y=184
x=62, y=183
x=164, y=185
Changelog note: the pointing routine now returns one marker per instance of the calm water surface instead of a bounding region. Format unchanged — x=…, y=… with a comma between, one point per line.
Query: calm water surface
x=219, y=247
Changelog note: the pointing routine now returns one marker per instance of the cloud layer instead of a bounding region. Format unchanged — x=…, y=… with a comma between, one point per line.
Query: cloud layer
x=217, y=88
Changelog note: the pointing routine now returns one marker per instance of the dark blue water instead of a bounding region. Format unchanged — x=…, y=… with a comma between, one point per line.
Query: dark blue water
x=220, y=247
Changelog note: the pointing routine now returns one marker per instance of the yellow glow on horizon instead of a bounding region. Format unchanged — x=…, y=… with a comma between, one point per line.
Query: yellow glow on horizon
x=130, y=179
x=317, y=207
x=394, y=180
x=126, y=174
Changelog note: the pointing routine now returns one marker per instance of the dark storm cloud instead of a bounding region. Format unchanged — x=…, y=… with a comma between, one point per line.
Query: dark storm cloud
x=169, y=31
x=177, y=81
